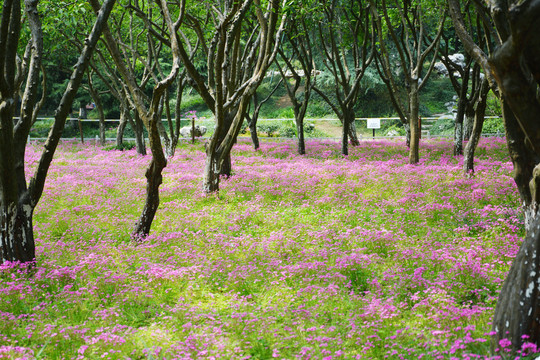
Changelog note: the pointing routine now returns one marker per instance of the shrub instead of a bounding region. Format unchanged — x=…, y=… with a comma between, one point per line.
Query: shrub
x=269, y=129
x=443, y=126
x=493, y=126
x=124, y=146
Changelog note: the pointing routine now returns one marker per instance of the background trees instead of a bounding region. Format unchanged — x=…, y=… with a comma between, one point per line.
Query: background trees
x=243, y=39
x=345, y=43
x=406, y=28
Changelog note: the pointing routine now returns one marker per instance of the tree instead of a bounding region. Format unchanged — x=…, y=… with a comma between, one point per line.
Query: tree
x=514, y=68
x=297, y=50
x=470, y=85
x=347, y=45
x=18, y=198
x=254, y=117
x=406, y=26
x=150, y=115
x=237, y=61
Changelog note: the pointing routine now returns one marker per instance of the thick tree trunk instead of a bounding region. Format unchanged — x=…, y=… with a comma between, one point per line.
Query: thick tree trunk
x=154, y=180
x=169, y=150
x=518, y=309
x=348, y=132
x=523, y=159
x=414, y=148
x=16, y=233
x=212, y=170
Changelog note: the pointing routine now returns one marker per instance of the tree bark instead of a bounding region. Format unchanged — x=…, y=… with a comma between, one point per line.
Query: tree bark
x=139, y=134
x=16, y=232
x=301, y=143
x=518, y=308
x=414, y=156
x=124, y=114
x=99, y=107
x=253, y=132
x=211, y=174
x=153, y=181
x=353, y=136
x=458, y=127
x=478, y=124
x=345, y=137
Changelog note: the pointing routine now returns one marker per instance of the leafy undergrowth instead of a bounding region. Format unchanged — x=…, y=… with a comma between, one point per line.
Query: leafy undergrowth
x=313, y=257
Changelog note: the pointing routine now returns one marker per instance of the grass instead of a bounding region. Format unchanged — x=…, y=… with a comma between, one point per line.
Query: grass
x=301, y=257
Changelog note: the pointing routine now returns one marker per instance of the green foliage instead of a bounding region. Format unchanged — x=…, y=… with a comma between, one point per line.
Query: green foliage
x=493, y=106
x=444, y=125
x=268, y=129
x=124, y=146
x=493, y=126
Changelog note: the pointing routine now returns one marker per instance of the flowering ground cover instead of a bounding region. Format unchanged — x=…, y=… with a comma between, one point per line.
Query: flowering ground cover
x=300, y=257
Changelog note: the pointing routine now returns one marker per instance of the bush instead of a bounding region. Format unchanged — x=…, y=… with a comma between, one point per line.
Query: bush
x=493, y=126
x=443, y=126
x=124, y=146
x=287, y=132
x=395, y=130
x=269, y=129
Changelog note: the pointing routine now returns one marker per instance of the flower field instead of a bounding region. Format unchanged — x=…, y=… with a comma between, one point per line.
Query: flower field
x=313, y=257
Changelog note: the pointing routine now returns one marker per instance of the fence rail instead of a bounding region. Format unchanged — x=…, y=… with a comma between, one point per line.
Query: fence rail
x=425, y=133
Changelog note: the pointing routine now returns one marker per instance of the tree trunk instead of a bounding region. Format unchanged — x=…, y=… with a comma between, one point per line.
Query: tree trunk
x=407, y=128
x=468, y=160
x=139, y=134
x=253, y=132
x=154, y=180
x=301, y=144
x=414, y=156
x=212, y=170
x=16, y=233
x=226, y=166
x=523, y=159
x=458, y=128
x=99, y=107
x=352, y=130
x=478, y=124
x=121, y=128
x=345, y=137
x=468, y=123
x=518, y=308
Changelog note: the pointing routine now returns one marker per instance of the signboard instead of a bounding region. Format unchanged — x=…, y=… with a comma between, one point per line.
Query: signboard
x=373, y=123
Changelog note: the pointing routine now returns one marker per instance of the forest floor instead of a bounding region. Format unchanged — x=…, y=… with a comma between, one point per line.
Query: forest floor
x=300, y=257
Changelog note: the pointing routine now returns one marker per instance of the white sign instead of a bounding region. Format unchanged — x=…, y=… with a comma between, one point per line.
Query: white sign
x=373, y=123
